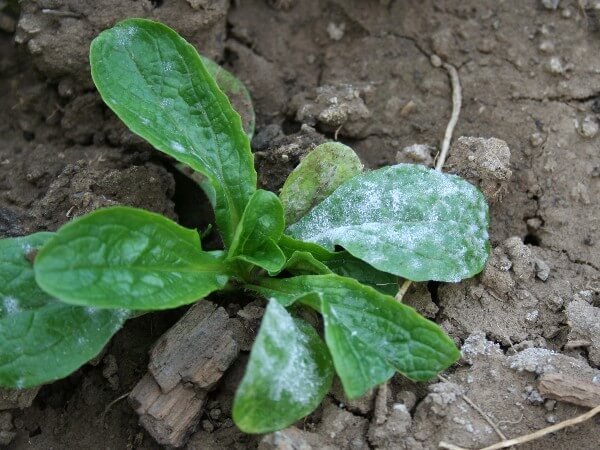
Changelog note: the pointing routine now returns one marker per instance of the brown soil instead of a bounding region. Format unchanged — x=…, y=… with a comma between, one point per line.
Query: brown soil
x=530, y=77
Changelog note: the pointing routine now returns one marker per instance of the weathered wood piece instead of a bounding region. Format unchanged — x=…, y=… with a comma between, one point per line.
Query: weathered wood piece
x=571, y=390
x=196, y=350
x=169, y=417
x=185, y=363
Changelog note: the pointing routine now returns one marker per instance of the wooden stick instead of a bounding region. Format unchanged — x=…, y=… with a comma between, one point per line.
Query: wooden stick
x=456, y=105
x=532, y=436
x=400, y=295
x=487, y=418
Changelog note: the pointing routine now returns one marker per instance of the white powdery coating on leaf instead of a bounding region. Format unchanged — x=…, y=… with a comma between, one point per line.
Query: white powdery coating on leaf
x=177, y=147
x=10, y=305
x=299, y=377
x=124, y=35
x=390, y=211
x=166, y=103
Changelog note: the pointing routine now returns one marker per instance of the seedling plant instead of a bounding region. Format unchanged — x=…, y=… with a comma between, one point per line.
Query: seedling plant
x=336, y=241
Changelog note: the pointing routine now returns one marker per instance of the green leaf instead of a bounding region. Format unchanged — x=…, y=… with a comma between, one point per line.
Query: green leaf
x=123, y=257
x=346, y=265
x=289, y=245
x=42, y=339
x=304, y=263
x=316, y=177
x=156, y=83
x=260, y=228
x=305, y=258
x=288, y=374
x=407, y=220
x=368, y=334
x=236, y=92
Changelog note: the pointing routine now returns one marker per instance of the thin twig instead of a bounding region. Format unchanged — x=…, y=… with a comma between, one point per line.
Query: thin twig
x=61, y=13
x=405, y=285
x=532, y=436
x=487, y=418
x=111, y=404
x=456, y=104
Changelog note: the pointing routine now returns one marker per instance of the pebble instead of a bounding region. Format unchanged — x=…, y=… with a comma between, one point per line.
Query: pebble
x=542, y=270
x=546, y=46
x=554, y=302
x=534, y=223
x=589, y=127
x=550, y=4
x=550, y=405
x=555, y=66
x=208, y=426
x=536, y=139
x=335, y=31
x=436, y=61
x=419, y=153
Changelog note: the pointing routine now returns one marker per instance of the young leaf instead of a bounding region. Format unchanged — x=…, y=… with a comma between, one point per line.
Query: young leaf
x=316, y=177
x=407, y=220
x=289, y=245
x=368, y=334
x=42, y=339
x=123, y=257
x=288, y=374
x=304, y=263
x=260, y=228
x=156, y=83
x=305, y=258
x=346, y=265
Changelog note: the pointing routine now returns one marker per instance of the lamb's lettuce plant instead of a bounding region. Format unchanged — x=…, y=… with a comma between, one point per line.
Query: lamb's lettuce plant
x=335, y=241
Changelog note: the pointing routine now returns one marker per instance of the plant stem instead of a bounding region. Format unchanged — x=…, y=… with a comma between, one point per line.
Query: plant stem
x=400, y=295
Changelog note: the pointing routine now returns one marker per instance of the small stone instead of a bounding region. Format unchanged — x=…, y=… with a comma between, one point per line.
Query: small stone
x=588, y=127
x=436, y=61
x=487, y=45
x=551, y=418
x=215, y=413
x=335, y=31
x=567, y=13
x=408, y=108
x=418, y=153
x=550, y=4
x=536, y=139
x=534, y=396
x=550, y=405
x=208, y=426
x=555, y=66
x=532, y=316
x=546, y=47
x=534, y=224
x=554, y=302
x=542, y=270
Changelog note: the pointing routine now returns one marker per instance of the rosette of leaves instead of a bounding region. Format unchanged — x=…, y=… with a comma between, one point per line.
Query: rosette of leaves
x=336, y=241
